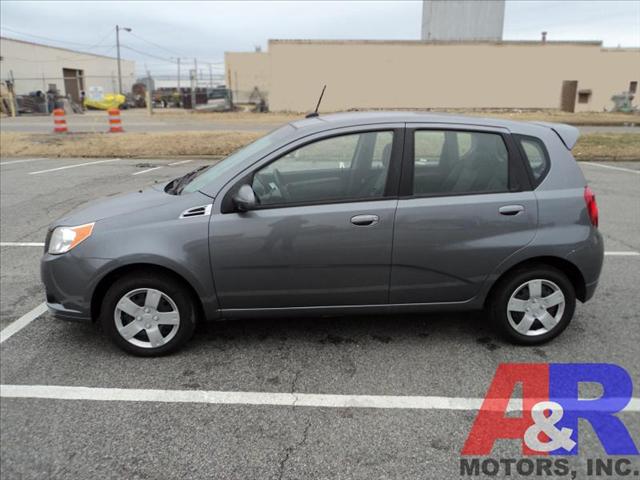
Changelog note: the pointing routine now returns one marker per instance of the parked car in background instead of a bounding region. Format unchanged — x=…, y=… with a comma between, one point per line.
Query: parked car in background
x=347, y=213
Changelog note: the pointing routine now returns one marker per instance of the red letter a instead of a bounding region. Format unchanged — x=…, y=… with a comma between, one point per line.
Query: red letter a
x=491, y=423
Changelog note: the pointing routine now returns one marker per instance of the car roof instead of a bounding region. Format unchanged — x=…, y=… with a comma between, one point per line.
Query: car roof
x=346, y=119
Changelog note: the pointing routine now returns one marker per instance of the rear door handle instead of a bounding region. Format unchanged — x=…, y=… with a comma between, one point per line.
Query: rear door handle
x=511, y=210
x=365, y=220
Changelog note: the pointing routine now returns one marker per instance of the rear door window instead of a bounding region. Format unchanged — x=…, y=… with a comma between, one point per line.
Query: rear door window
x=458, y=162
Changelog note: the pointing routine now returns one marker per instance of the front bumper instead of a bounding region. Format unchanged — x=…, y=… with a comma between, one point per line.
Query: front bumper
x=60, y=312
x=69, y=282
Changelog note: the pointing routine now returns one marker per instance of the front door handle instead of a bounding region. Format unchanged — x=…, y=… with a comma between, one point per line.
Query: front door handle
x=511, y=210
x=365, y=220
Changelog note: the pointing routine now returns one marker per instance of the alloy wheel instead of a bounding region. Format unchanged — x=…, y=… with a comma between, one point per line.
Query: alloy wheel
x=535, y=307
x=147, y=318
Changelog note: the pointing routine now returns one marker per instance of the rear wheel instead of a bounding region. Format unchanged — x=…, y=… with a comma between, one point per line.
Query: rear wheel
x=148, y=315
x=532, y=306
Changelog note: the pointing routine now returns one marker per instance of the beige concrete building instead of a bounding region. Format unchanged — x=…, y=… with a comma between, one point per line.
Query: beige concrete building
x=32, y=66
x=574, y=76
x=245, y=72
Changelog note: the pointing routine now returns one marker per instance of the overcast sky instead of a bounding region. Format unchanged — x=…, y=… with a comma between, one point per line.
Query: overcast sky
x=206, y=30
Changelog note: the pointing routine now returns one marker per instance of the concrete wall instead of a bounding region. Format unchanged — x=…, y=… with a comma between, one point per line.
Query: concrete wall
x=406, y=74
x=245, y=71
x=35, y=66
x=462, y=20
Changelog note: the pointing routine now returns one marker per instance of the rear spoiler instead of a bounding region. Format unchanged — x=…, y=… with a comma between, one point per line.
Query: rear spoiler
x=568, y=134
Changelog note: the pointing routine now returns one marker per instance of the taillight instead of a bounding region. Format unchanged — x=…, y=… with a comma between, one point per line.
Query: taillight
x=592, y=206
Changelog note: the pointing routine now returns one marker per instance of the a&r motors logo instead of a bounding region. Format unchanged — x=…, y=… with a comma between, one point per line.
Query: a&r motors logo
x=551, y=407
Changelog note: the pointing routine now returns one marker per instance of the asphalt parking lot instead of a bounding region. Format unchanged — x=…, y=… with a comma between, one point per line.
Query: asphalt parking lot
x=447, y=355
x=93, y=121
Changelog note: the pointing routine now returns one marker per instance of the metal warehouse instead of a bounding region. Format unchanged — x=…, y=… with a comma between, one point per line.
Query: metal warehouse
x=572, y=76
x=31, y=67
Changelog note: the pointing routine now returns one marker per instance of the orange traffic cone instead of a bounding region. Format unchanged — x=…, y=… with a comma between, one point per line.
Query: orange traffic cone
x=59, y=122
x=115, y=125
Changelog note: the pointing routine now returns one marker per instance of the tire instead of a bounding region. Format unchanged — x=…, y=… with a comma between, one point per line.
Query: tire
x=551, y=314
x=129, y=317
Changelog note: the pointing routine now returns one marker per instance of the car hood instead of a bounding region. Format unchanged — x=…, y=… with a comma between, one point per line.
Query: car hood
x=116, y=205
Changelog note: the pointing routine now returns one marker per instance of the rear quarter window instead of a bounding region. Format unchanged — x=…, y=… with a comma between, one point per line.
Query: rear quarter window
x=536, y=156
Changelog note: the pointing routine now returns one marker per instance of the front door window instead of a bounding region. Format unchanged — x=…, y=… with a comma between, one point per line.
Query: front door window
x=341, y=168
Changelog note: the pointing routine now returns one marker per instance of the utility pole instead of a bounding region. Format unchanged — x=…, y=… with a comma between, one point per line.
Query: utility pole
x=118, y=28
x=148, y=97
x=194, y=83
x=195, y=69
x=178, y=74
x=210, y=76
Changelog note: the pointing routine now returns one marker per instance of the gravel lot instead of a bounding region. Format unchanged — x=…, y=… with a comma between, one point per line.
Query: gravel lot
x=449, y=355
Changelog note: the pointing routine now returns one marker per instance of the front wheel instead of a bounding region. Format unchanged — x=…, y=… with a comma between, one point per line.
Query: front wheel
x=531, y=306
x=148, y=314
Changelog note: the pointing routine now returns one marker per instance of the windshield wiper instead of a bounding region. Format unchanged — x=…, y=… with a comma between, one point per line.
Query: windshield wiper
x=176, y=186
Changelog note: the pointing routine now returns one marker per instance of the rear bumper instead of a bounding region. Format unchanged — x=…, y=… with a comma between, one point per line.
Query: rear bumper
x=589, y=258
x=590, y=290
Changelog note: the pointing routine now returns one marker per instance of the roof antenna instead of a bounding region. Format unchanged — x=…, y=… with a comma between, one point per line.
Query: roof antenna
x=315, y=112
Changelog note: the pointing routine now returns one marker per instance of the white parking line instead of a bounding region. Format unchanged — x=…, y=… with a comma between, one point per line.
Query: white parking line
x=179, y=163
x=622, y=169
x=57, y=392
x=623, y=254
x=21, y=244
x=11, y=162
x=145, y=171
x=23, y=321
x=74, y=166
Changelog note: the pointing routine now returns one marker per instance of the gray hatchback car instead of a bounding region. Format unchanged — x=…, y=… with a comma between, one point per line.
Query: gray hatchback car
x=347, y=213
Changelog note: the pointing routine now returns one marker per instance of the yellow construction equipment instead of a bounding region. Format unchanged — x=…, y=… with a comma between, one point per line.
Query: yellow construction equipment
x=109, y=100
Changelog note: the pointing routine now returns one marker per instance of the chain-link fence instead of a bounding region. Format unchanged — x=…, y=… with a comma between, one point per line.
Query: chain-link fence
x=41, y=95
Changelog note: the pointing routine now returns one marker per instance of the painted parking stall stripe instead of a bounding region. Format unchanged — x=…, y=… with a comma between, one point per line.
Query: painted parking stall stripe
x=75, y=165
x=180, y=162
x=610, y=167
x=22, y=322
x=21, y=244
x=26, y=160
x=145, y=171
x=396, y=402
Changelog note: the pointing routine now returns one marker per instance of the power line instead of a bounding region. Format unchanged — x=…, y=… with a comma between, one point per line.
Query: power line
x=147, y=54
x=156, y=45
x=179, y=54
x=77, y=58
x=57, y=40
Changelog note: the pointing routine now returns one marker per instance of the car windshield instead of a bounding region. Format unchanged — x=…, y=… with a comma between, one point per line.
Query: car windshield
x=203, y=177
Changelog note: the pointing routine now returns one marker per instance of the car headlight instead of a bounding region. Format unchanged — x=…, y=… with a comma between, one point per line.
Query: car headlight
x=64, y=239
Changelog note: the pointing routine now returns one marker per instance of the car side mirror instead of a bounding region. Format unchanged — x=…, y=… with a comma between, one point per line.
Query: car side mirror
x=245, y=198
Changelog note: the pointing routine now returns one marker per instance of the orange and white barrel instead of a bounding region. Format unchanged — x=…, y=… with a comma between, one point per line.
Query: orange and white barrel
x=115, y=124
x=59, y=122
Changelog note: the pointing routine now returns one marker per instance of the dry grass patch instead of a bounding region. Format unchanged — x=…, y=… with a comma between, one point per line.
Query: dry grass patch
x=556, y=116
x=277, y=118
x=592, y=146
x=123, y=145
x=608, y=146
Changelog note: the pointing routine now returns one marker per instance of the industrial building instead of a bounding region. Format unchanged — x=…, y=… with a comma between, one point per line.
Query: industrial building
x=31, y=67
x=572, y=76
x=462, y=62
